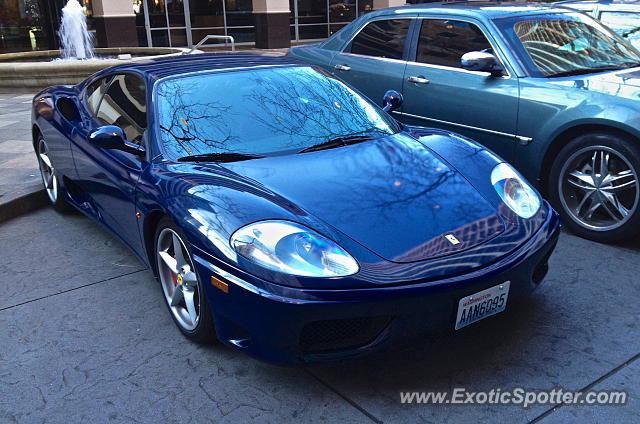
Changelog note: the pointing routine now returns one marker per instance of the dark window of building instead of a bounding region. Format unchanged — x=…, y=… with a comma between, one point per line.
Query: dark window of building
x=383, y=38
x=125, y=105
x=342, y=10
x=444, y=41
x=22, y=26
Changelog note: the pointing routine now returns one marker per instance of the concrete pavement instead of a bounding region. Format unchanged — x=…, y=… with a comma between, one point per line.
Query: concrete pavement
x=20, y=184
x=85, y=336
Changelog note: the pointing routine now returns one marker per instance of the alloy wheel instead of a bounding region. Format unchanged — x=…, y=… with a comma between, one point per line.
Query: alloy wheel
x=47, y=171
x=599, y=188
x=179, y=282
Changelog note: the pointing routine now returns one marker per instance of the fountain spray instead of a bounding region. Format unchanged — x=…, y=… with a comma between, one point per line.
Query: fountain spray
x=75, y=38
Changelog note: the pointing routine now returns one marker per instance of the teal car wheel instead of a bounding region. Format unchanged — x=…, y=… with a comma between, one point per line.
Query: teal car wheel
x=594, y=182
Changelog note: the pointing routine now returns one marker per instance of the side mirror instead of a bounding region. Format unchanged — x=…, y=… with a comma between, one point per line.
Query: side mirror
x=112, y=137
x=481, y=62
x=392, y=101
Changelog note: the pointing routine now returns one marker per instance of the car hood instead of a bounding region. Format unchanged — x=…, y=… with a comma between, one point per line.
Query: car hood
x=392, y=195
x=624, y=83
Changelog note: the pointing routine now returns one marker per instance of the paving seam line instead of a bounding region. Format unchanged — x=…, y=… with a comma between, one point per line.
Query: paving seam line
x=345, y=398
x=588, y=387
x=71, y=289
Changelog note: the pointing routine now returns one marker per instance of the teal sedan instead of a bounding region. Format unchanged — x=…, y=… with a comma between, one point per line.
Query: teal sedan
x=551, y=90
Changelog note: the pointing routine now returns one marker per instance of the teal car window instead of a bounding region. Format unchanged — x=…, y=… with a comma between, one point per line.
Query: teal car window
x=566, y=44
x=384, y=38
x=125, y=106
x=444, y=41
x=261, y=112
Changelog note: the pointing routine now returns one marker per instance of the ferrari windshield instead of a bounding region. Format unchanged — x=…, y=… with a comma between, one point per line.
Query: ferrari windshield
x=566, y=44
x=262, y=112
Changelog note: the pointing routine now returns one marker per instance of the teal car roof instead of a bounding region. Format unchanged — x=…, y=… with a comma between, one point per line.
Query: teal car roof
x=478, y=9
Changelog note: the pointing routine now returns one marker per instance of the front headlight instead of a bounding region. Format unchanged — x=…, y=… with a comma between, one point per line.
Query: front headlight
x=293, y=249
x=514, y=191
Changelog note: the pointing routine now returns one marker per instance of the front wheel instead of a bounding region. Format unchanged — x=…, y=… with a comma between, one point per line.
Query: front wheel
x=182, y=290
x=594, y=184
x=50, y=177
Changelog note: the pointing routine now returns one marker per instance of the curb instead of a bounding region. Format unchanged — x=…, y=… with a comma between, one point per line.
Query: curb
x=23, y=204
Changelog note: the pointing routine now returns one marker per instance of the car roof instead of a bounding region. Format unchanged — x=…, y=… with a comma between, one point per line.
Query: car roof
x=488, y=9
x=166, y=66
x=599, y=2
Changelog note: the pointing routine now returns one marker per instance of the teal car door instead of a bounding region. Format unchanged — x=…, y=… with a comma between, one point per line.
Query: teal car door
x=374, y=60
x=438, y=92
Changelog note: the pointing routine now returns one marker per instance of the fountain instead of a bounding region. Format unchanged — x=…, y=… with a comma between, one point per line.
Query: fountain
x=75, y=38
x=76, y=60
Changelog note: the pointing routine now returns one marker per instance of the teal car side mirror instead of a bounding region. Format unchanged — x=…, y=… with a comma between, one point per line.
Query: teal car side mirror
x=481, y=62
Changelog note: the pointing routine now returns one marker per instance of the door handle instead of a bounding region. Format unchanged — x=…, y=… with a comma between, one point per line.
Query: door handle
x=418, y=80
x=342, y=68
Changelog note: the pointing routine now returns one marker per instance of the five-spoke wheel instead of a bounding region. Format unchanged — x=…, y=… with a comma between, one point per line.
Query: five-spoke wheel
x=50, y=177
x=48, y=172
x=180, y=285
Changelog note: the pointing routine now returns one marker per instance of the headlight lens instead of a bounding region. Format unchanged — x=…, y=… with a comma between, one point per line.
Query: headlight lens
x=293, y=249
x=514, y=191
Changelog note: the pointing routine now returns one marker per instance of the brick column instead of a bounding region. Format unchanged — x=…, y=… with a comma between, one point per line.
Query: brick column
x=115, y=23
x=272, y=24
x=383, y=4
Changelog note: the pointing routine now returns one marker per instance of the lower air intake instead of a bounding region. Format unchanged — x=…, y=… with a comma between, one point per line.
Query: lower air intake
x=340, y=334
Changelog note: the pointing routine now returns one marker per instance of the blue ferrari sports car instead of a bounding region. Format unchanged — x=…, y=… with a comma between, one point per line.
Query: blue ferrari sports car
x=284, y=213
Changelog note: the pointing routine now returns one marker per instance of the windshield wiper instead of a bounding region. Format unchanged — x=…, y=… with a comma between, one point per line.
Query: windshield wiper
x=583, y=71
x=219, y=157
x=628, y=65
x=337, y=142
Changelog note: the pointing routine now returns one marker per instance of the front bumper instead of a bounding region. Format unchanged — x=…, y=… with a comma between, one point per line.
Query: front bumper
x=294, y=325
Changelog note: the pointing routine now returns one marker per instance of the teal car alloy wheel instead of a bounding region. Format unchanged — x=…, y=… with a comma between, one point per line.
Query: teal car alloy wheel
x=595, y=183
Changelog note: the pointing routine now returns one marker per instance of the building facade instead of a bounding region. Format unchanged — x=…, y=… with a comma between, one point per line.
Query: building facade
x=33, y=24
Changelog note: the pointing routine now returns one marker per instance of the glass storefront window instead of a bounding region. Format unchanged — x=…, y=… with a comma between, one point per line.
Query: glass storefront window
x=316, y=19
x=364, y=6
x=239, y=13
x=138, y=9
x=22, y=26
x=206, y=14
x=342, y=11
x=222, y=17
x=312, y=32
x=32, y=24
x=311, y=12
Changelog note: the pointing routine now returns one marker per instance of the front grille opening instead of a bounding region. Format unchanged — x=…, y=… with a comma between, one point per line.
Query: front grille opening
x=340, y=334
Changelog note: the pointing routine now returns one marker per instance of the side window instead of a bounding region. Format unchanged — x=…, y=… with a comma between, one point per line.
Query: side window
x=382, y=39
x=444, y=41
x=94, y=93
x=124, y=105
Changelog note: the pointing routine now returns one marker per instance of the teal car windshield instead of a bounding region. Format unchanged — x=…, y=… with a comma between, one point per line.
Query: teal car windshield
x=554, y=45
x=262, y=112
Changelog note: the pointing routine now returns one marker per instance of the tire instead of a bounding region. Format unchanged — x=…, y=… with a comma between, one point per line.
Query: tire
x=594, y=184
x=175, y=272
x=50, y=178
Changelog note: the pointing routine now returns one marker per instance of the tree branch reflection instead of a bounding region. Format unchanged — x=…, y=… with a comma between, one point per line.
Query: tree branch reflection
x=266, y=111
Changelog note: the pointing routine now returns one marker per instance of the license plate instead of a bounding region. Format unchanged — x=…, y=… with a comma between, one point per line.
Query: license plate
x=482, y=304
